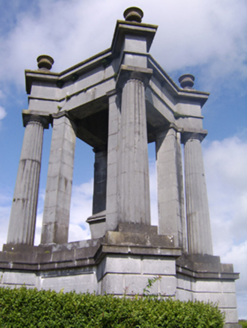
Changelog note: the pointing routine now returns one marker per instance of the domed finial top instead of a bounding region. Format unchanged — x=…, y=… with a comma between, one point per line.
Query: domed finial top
x=45, y=62
x=186, y=81
x=133, y=14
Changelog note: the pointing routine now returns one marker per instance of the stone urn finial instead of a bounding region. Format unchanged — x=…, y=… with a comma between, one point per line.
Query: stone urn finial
x=133, y=14
x=45, y=62
x=186, y=81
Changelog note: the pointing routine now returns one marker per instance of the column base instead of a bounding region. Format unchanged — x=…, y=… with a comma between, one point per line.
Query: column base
x=97, y=223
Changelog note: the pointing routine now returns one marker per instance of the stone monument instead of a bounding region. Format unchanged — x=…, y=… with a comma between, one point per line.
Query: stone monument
x=117, y=102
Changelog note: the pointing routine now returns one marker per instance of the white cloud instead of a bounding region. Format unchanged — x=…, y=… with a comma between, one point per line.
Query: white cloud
x=81, y=209
x=5, y=207
x=208, y=33
x=225, y=166
x=153, y=192
x=2, y=113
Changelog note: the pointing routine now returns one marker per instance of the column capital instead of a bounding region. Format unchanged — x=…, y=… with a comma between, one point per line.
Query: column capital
x=34, y=116
x=66, y=114
x=127, y=72
x=161, y=132
x=193, y=134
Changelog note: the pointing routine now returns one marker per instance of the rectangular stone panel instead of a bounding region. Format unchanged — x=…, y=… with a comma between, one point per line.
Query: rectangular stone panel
x=134, y=284
x=122, y=264
x=80, y=283
x=223, y=300
x=206, y=286
x=113, y=284
x=18, y=278
x=168, y=286
x=157, y=266
x=184, y=295
x=184, y=282
x=228, y=286
x=231, y=315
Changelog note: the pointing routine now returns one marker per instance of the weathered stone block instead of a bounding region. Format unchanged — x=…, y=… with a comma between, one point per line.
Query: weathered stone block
x=231, y=315
x=136, y=44
x=224, y=300
x=184, y=295
x=135, y=60
x=228, y=286
x=184, y=282
x=206, y=286
x=134, y=284
x=80, y=283
x=168, y=285
x=19, y=278
x=122, y=264
x=113, y=284
x=158, y=266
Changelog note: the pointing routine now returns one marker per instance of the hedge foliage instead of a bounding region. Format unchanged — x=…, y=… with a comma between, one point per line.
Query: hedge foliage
x=243, y=323
x=31, y=308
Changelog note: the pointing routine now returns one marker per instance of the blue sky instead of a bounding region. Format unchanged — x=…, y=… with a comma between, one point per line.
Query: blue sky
x=207, y=38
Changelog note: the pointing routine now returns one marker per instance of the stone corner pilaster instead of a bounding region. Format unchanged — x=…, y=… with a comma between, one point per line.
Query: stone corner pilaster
x=67, y=115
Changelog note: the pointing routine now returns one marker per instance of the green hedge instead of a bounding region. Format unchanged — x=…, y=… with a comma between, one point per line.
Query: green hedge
x=243, y=323
x=31, y=308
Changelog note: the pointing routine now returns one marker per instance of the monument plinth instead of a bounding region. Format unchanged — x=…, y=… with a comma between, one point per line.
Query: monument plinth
x=117, y=102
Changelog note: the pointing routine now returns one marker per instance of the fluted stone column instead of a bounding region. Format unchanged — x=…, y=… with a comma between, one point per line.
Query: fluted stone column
x=100, y=176
x=134, y=174
x=197, y=210
x=183, y=237
x=59, y=181
x=170, y=186
x=113, y=160
x=25, y=200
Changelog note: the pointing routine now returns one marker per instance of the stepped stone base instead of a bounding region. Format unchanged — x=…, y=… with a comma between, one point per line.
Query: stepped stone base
x=121, y=263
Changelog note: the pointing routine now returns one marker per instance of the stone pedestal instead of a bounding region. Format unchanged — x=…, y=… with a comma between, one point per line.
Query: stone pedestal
x=121, y=264
x=59, y=181
x=25, y=200
x=198, y=220
x=134, y=174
